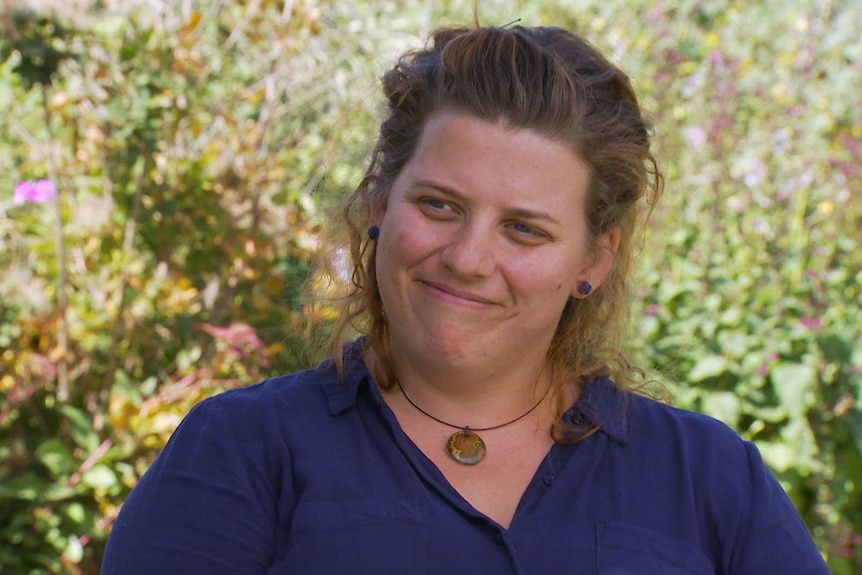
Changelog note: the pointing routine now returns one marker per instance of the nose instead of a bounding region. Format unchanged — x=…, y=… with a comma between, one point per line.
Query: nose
x=470, y=253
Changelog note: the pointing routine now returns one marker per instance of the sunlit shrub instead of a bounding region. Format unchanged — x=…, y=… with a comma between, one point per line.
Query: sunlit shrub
x=166, y=171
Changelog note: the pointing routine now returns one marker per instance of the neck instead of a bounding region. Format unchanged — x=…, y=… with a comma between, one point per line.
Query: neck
x=472, y=395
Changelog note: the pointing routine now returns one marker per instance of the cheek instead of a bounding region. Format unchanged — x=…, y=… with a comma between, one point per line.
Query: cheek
x=411, y=239
x=548, y=278
x=400, y=247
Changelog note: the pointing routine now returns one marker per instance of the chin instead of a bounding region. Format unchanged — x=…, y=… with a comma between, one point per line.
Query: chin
x=452, y=346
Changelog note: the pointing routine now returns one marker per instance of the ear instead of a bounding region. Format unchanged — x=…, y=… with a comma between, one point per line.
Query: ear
x=376, y=211
x=600, y=262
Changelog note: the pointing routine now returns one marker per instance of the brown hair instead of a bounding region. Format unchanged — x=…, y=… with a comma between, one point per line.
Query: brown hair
x=551, y=82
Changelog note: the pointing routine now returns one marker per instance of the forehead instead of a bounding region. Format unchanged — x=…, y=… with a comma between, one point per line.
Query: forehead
x=463, y=150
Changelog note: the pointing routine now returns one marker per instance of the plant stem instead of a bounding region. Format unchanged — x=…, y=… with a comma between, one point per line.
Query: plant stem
x=60, y=243
x=128, y=244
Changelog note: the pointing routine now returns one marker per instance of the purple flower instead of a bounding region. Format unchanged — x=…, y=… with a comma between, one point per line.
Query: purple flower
x=37, y=192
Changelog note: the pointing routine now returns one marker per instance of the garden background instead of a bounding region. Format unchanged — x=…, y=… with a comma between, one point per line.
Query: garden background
x=167, y=168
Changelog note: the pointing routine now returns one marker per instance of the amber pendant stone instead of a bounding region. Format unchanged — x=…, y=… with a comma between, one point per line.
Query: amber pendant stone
x=466, y=447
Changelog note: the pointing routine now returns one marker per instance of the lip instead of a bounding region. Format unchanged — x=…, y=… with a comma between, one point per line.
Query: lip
x=451, y=294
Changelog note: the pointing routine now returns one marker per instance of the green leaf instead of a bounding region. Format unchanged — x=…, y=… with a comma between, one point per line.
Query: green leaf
x=76, y=512
x=100, y=477
x=708, y=367
x=74, y=550
x=794, y=385
x=54, y=455
x=723, y=405
x=778, y=456
x=82, y=431
x=27, y=487
x=798, y=434
x=854, y=421
x=61, y=492
x=114, y=111
x=124, y=387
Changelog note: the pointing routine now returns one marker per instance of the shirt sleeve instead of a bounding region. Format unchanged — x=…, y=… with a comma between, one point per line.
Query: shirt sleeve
x=776, y=540
x=209, y=503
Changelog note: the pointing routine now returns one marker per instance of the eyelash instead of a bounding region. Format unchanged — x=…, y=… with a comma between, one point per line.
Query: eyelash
x=530, y=237
x=441, y=204
x=436, y=207
x=527, y=231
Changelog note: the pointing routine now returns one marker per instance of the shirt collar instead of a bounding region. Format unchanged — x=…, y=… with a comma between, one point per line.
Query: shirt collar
x=341, y=392
x=601, y=402
x=603, y=405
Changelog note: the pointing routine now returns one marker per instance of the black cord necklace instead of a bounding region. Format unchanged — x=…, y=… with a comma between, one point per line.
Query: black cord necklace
x=465, y=446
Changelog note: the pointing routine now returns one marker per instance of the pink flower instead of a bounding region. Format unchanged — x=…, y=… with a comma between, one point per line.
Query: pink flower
x=756, y=175
x=811, y=322
x=37, y=192
x=695, y=137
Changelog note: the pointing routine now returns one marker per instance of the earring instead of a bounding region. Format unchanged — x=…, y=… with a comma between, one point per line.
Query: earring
x=584, y=288
x=373, y=232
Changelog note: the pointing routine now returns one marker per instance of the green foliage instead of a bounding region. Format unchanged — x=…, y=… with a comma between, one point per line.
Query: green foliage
x=190, y=153
x=751, y=290
x=197, y=148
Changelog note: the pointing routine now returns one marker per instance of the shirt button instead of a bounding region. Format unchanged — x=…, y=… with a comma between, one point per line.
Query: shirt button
x=499, y=539
x=548, y=479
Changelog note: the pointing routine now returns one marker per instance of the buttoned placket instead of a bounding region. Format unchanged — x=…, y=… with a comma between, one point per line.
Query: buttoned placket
x=541, y=482
x=434, y=477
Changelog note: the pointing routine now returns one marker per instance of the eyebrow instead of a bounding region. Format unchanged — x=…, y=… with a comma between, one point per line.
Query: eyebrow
x=519, y=212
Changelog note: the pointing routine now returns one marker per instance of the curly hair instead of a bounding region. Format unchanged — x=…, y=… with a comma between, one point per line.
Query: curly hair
x=551, y=82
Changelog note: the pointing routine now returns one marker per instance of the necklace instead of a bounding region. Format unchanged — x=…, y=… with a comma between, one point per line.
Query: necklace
x=465, y=446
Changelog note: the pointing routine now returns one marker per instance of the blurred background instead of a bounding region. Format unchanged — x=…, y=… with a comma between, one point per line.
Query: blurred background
x=168, y=168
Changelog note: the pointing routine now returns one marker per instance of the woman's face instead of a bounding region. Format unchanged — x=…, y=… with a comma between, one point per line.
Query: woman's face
x=483, y=240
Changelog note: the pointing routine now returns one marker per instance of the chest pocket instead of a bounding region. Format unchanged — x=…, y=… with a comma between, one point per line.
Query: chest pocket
x=623, y=549
x=369, y=536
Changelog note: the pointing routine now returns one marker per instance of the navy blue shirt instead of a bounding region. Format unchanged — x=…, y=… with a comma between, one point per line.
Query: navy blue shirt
x=304, y=474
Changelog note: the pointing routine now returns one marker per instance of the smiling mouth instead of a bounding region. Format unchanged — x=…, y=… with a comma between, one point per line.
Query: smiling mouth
x=450, y=294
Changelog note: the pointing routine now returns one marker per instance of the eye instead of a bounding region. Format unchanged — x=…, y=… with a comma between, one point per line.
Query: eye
x=436, y=207
x=525, y=231
x=437, y=204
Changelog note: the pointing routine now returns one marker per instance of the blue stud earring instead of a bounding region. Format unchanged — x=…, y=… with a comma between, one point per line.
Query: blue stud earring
x=584, y=288
x=373, y=232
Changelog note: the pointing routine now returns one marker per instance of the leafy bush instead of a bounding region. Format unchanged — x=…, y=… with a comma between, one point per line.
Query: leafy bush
x=188, y=153
x=751, y=294
x=167, y=264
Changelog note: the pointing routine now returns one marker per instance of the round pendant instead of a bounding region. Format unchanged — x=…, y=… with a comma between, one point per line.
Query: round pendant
x=466, y=447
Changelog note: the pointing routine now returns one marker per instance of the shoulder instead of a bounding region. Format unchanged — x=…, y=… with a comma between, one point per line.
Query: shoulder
x=724, y=474
x=249, y=403
x=228, y=466
x=273, y=407
x=301, y=387
x=688, y=460
x=645, y=424
x=665, y=444
x=252, y=431
x=706, y=446
x=651, y=418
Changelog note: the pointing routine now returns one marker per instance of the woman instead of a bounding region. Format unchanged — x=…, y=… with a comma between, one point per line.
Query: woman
x=483, y=423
